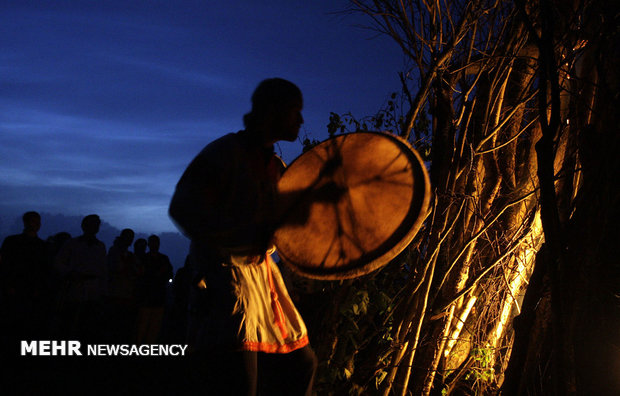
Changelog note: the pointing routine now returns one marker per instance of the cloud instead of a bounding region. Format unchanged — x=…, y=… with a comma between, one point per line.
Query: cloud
x=145, y=210
x=81, y=61
x=105, y=103
x=182, y=75
x=77, y=165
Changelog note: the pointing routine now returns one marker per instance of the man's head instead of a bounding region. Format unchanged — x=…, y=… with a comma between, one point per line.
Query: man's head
x=139, y=246
x=91, y=224
x=276, y=111
x=153, y=243
x=126, y=237
x=32, y=222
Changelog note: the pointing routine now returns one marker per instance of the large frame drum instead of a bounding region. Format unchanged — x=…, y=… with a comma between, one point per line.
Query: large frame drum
x=350, y=205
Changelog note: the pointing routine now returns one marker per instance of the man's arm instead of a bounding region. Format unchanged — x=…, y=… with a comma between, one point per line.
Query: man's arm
x=204, y=206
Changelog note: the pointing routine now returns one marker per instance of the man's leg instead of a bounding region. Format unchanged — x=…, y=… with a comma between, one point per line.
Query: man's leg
x=287, y=374
x=232, y=373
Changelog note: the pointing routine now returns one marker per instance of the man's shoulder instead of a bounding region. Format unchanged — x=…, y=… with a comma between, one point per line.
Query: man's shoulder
x=114, y=249
x=22, y=239
x=159, y=256
x=217, y=155
x=223, y=145
x=9, y=243
x=12, y=238
x=81, y=241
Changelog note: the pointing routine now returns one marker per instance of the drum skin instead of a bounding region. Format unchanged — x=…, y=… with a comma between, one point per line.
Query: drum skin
x=350, y=205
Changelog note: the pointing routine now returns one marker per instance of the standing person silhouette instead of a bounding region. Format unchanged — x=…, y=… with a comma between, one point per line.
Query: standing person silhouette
x=123, y=270
x=81, y=264
x=24, y=281
x=226, y=202
x=157, y=273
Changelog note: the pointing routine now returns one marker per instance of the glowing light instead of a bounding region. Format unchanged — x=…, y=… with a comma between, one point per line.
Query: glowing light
x=517, y=279
x=202, y=284
x=459, y=325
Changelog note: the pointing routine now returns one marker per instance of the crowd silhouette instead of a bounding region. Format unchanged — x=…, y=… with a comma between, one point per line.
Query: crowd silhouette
x=73, y=288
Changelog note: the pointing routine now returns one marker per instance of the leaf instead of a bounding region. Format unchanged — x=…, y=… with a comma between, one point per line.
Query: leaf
x=353, y=342
x=379, y=378
x=354, y=323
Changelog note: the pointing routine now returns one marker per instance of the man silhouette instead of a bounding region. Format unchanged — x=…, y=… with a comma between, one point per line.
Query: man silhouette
x=123, y=271
x=24, y=277
x=158, y=273
x=81, y=263
x=226, y=203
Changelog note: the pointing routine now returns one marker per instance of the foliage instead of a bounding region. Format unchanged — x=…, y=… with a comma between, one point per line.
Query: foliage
x=389, y=118
x=500, y=101
x=363, y=328
x=482, y=370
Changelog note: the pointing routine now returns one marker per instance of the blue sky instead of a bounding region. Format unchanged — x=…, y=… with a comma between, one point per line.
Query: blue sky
x=104, y=103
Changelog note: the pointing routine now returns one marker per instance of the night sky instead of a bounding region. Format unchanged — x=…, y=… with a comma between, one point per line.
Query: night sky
x=104, y=103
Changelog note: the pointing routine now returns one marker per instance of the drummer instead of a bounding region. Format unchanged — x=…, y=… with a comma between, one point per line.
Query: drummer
x=225, y=203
